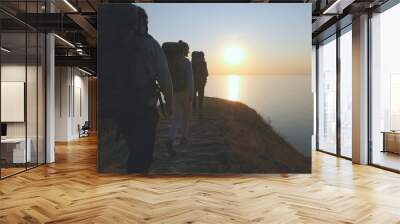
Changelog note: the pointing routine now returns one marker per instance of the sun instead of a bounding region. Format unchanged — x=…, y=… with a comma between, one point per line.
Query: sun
x=233, y=55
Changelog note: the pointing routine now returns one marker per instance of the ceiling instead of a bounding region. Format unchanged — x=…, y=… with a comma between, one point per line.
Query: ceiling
x=75, y=22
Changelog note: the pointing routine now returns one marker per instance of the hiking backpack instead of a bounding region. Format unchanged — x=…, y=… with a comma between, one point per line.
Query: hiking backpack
x=174, y=53
x=199, y=67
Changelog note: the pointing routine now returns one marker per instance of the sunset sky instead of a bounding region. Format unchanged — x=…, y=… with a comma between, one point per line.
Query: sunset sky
x=255, y=39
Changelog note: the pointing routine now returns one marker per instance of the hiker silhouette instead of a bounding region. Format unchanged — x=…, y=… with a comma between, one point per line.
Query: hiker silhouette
x=182, y=79
x=148, y=65
x=200, y=74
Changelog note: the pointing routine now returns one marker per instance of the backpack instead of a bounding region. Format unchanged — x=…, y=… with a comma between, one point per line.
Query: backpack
x=197, y=56
x=199, y=66
x=174, y=53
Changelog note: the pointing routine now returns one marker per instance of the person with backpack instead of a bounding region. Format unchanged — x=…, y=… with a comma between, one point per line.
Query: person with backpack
x=182, y=79
x=200, y=73
x=148, y=68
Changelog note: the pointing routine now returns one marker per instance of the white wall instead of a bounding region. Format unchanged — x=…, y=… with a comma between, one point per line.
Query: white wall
x=71, y=102
x=79, y=103
x=62, y=81
x=16, y=73
x=10, y=73
x=33, y=127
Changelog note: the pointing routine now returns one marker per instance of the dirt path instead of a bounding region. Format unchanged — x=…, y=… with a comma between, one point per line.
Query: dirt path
x=230, y=138
x=202, y=154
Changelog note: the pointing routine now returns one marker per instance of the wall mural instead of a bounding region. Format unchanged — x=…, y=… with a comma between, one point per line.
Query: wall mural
x=204, y=88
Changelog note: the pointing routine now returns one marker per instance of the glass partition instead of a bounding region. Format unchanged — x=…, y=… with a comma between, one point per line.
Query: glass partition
x=22, y=88
x=14, y=151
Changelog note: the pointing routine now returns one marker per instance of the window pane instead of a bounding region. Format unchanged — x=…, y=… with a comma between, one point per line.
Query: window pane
x=327, y=96
x=346, y=94
x=386, y=89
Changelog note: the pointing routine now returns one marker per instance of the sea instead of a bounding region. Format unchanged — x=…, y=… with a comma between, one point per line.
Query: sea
x=284, y=101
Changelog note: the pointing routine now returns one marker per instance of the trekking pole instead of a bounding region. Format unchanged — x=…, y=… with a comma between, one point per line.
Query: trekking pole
x=160, y=99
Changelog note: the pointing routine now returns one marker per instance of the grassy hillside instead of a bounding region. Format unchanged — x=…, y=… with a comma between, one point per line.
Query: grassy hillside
x=256, y=146
x=231, y=138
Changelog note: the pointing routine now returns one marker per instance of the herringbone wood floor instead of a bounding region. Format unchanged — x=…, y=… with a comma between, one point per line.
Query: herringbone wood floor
x=70, y=191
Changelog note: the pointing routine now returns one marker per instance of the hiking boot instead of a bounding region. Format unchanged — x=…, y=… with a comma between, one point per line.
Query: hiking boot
x=170, y=148
x=184, y=141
